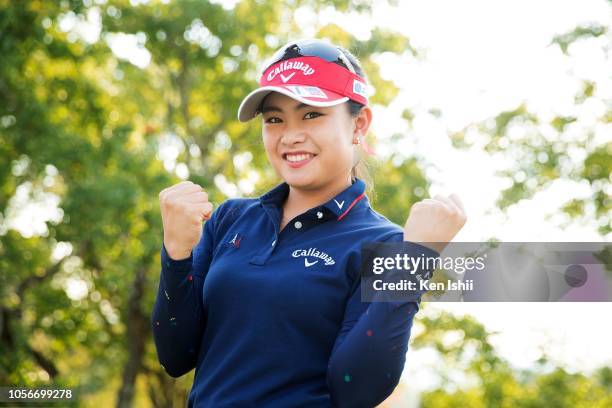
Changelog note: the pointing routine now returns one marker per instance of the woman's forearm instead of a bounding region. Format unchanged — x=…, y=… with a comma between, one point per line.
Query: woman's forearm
x=177, y=319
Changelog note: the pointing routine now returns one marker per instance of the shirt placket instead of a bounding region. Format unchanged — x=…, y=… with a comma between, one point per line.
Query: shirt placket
x=296, y=226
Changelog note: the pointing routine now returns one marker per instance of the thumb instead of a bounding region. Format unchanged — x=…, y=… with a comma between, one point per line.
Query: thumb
x=206, y=212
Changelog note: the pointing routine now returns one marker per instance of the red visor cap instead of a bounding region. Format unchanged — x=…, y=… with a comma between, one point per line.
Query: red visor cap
x=310, y=80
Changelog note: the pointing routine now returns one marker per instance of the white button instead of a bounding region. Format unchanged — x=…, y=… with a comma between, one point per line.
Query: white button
x=273, y=242
x=298, y=225
x=319, y=215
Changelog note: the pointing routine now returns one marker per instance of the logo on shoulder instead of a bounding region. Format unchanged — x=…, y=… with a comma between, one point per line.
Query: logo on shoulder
x=313, y=253
x=235, y=242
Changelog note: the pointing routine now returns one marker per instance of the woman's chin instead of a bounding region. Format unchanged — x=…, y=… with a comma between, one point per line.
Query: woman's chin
x=299, y=180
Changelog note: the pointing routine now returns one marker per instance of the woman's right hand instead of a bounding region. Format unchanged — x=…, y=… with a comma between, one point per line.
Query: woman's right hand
x=184, y=206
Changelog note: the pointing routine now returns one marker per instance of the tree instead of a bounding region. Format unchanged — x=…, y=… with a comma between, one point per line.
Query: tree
x=84, y=127
x=573, y=148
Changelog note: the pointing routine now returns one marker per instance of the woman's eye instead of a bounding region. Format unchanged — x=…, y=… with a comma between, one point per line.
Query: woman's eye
x=309, y=115
x=312, y=113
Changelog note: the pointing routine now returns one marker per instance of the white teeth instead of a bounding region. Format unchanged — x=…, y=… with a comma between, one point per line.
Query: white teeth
x=298, y=157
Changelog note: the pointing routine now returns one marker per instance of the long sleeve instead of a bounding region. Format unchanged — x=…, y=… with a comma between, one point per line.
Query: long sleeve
x=178, y=319
x=370, y=351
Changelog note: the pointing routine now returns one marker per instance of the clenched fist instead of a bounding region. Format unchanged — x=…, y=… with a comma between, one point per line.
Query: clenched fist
x=184, y=207
x=434, y=222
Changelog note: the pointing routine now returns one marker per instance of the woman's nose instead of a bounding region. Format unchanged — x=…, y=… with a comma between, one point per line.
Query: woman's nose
x=292, y=135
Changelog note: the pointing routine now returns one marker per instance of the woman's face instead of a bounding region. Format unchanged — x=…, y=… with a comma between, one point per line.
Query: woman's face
x=308, y=146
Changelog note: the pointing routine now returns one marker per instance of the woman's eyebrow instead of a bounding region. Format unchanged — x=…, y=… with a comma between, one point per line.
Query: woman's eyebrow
x=270, y=108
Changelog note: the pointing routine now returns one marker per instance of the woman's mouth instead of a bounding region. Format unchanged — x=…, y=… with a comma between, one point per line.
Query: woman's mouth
x=296, y=160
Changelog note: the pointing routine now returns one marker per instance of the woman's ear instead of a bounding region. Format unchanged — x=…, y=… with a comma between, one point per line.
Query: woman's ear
x=361, y=123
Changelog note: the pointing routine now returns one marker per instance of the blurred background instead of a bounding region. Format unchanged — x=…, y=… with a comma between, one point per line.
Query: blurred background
x=105, y=103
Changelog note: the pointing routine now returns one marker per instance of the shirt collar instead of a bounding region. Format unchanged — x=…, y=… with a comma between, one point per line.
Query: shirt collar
x=340, y=205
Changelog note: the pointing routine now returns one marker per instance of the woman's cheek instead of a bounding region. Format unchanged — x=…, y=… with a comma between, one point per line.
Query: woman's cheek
x=269, y=147
x=334, y=161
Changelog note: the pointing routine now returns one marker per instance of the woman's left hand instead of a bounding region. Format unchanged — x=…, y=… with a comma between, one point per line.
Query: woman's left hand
x=434, y=222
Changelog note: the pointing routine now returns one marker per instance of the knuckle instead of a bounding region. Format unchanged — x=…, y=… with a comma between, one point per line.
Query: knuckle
x=173, y=202
x=166, y=199
x=439, y=207
x=416, y=209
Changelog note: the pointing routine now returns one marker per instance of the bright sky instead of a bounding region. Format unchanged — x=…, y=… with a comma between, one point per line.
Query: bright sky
x=482, y=57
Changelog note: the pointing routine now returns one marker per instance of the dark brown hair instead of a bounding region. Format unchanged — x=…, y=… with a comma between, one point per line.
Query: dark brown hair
x=359, y=170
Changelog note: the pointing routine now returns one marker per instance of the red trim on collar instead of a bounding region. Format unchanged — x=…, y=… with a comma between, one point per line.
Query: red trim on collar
x=351, y=206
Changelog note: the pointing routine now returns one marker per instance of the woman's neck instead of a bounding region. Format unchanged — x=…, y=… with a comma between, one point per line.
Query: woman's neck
x=300, y=200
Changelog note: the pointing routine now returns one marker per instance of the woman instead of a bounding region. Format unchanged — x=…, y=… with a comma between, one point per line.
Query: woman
x=266, y=304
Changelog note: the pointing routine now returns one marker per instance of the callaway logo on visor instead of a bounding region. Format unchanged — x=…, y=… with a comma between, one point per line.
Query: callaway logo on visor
x=287, y=65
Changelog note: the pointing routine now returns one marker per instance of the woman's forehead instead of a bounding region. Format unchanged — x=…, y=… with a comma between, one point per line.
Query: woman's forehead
x=278, y=98
x=286, y=103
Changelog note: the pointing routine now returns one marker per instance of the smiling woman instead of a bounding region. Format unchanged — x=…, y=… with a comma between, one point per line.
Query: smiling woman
x=313, y=126
x=311, y=148
x=355, y=107
x=265, y=300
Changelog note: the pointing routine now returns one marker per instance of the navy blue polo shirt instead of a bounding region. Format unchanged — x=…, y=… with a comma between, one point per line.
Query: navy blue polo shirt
x=275, y=319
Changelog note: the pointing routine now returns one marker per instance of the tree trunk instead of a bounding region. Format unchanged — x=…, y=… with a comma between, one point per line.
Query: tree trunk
x=137, y=334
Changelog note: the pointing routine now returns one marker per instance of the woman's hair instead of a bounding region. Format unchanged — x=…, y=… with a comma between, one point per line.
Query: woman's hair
x=360, y=169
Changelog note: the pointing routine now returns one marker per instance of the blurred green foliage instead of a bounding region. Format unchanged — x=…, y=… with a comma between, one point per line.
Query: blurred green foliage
x=563, y=147
x=466, y=352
